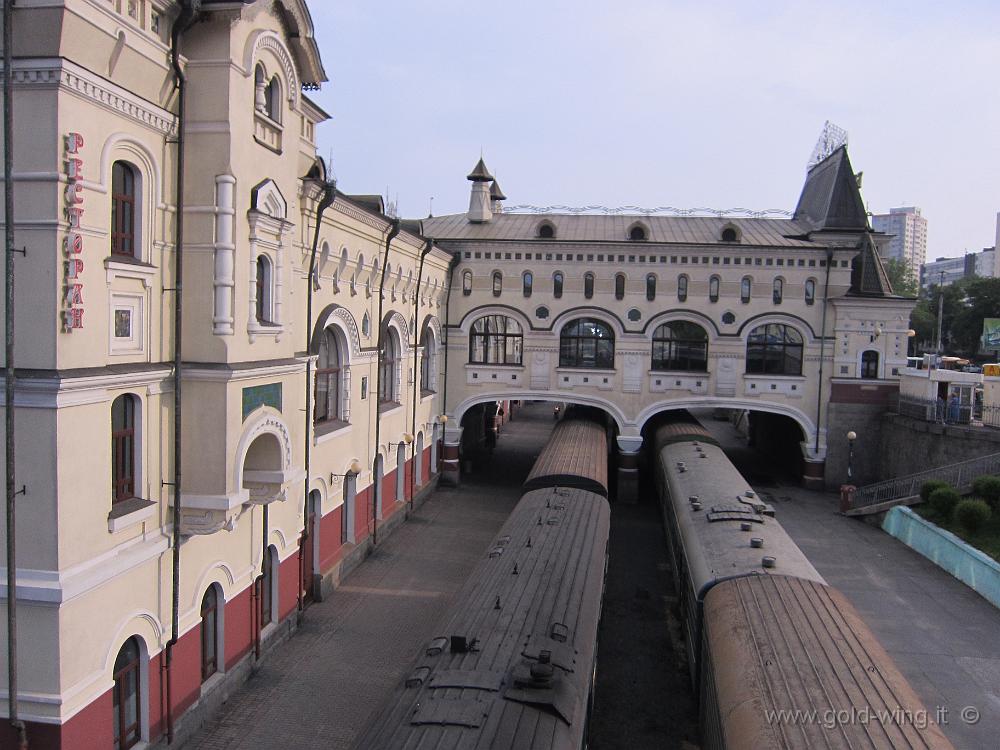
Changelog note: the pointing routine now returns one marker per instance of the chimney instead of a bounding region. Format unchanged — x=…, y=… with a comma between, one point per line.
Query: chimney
x=479, y=201
x=496, y=198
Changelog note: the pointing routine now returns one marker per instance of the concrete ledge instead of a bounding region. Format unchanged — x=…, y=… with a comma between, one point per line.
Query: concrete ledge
x=975, y=569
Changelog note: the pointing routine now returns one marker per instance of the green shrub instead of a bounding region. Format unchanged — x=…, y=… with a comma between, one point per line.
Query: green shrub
x=972, y=515
x=988, y=488
x=929, y=486
x=943, y=501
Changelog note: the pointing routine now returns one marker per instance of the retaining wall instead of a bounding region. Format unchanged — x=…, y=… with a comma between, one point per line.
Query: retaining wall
x=909, y=445
x=974, y=568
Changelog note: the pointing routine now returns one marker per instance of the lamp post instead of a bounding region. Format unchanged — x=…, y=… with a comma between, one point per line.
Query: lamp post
x=851, y=437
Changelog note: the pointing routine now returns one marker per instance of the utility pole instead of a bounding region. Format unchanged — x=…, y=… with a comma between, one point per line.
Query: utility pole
x=940, y=314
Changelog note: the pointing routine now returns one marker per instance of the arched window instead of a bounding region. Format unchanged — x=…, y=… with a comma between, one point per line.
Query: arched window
x=557, y=284
x=124, y=188
x=713, y=289
x=869, y=364
x=588, y=285
x=527, y=280
x=650, y=287
x=330, y=377
x=497, y=283
x=209, y=634
x=127, y=694
x=495, y=340
x=774, y=349
x=586, y=342
x=680, y=345
x=466, y=283
x=273, y=97
x=428, y=366
x=546, y=231
x=388, y=358
x=619, y=286
x=682, y=288
x=263, y=285
x=745, y=288
x=810, y=291
x=637, y=232
x=777, y=290
x=123, y=448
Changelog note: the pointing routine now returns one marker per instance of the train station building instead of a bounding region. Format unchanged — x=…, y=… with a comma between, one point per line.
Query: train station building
x=332, y=357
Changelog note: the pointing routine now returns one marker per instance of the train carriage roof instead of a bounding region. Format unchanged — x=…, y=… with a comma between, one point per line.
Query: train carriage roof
x=575, y=456
x=778, y=643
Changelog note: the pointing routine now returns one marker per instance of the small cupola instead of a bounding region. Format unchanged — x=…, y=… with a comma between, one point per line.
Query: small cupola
x=479, y=201
x=496, y=198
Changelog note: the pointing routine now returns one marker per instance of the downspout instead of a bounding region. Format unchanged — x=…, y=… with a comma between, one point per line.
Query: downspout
x=189, y=11
x=447, y=317
x=8, y=193
x=393, y=231
x=416, y=370
x=822, y=344
x=327, y=199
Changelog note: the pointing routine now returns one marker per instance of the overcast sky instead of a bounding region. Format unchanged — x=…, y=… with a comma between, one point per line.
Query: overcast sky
x=681, y=103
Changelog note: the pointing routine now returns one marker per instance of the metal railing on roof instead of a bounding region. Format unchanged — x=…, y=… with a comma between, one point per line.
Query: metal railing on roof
x=959, y=475
x=736, y=213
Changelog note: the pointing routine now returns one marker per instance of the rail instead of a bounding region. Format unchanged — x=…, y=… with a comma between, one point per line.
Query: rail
x=958, y=475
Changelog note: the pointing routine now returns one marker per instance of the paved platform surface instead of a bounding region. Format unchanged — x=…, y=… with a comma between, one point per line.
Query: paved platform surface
x=321, y=687
x=944, y=637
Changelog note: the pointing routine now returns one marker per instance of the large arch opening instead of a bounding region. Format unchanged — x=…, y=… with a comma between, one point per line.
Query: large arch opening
x=262, y=469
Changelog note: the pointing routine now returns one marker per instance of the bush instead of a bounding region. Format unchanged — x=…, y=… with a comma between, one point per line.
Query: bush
x=929, y=486
x=988, y=488
x=972, y=515
x=943, y=501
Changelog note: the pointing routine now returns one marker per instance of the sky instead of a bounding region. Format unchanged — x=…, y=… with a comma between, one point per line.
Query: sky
x=690, y=104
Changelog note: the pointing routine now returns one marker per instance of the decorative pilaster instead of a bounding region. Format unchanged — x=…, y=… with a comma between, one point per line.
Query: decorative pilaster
x=225, y=253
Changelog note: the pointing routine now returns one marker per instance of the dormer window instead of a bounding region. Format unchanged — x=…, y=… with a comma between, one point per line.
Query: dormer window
x=546, y=231
x=637, y=233
x=730, y=234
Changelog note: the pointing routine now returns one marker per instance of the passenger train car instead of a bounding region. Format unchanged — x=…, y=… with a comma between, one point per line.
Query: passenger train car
x=514, y=662
x=779, y=658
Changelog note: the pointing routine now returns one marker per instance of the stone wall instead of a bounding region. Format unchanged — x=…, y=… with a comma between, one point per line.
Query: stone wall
x=867, y=421
x=909, y=445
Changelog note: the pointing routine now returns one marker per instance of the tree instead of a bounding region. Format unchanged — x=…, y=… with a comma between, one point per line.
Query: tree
x=904, y=281
x=981, y=300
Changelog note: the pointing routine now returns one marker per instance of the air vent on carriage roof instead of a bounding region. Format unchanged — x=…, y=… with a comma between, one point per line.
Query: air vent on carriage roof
x=479, y=202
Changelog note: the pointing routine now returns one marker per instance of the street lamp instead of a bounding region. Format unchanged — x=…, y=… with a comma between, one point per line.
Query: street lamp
x=851, y=437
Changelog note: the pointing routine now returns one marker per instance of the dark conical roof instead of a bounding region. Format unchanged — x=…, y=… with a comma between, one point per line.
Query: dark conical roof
x=830, y=198
x=496, y=193
x=868, y=275
x=480, y=173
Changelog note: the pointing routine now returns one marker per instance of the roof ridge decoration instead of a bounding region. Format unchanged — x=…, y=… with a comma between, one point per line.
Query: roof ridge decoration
x=831, y=198
x=594, y=209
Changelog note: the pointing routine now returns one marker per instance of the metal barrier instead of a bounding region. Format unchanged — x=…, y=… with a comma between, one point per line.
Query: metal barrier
x=931, y=410
x=958, y=475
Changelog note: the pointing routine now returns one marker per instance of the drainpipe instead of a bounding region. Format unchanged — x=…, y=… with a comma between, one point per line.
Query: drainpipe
x=189, y=11
x=822, y=343
x=447, y=316
x=393, y=231
x=326, y=200
x=416, y=371
x=8, y=170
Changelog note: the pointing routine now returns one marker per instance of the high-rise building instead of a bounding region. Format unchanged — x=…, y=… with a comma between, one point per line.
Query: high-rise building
x=947, y=271
x=909, y=235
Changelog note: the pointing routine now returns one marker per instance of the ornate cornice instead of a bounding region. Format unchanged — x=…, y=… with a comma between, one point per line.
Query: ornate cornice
x=66, y=75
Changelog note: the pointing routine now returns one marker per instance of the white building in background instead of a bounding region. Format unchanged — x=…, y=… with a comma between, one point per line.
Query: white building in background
x=908, y=230
x=947, y=271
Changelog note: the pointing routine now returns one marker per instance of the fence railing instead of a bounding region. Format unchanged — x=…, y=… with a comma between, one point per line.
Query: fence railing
x=958, y=475
x=937, y=410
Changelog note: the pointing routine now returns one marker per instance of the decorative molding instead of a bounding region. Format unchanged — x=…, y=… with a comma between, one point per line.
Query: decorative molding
x=57, y=72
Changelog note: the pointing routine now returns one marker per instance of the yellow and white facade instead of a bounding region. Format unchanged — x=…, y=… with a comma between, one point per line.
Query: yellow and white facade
x=97, y=183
